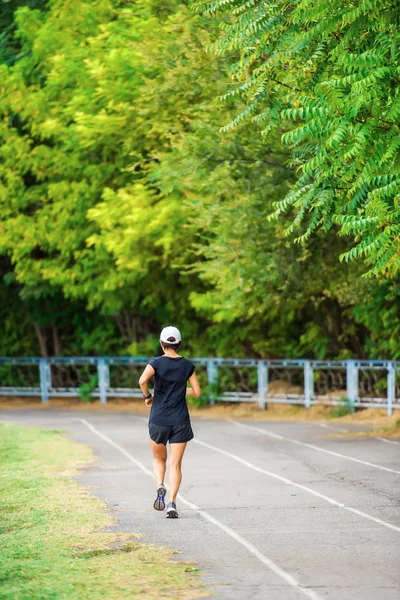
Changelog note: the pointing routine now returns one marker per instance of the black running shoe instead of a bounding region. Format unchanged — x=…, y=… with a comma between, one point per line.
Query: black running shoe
x=159, y=503
x=172, y=513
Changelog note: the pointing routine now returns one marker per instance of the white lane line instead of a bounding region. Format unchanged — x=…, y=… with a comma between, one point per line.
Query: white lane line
x=332, y=427
x=250, y=465
x=385, y=440
x=292, y=581
x=317, y=448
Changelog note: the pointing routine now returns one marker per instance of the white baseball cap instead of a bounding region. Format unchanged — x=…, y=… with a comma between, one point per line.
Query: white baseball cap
x=170, y=335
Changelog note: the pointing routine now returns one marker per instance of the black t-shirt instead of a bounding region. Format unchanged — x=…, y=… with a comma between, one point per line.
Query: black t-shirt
x=169, y=404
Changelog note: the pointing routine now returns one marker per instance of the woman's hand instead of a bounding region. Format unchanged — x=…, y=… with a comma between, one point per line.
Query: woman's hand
x=194, y=389
x=144, y=384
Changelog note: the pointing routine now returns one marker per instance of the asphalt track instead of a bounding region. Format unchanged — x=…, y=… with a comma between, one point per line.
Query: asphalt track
x=269, y=510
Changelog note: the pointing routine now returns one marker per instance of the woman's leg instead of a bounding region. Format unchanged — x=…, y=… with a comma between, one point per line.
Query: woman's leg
x=175, y=473
x=159, y=461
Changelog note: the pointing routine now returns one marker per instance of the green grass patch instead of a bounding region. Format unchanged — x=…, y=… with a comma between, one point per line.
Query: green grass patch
x=341, y=410
x=53, y=543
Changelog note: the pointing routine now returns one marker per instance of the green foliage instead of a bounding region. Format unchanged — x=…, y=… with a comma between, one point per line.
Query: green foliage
x=377, y=310
x=10, y=47
x=210, y=393
x=263, y=293
x=75, y=145
x=326, y=74
x=126, y=205
x=341, y=410
x=203, y=400
x=80, y=137
x=85, y=390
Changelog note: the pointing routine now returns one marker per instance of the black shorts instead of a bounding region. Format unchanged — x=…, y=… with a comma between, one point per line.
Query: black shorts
x=174, y=434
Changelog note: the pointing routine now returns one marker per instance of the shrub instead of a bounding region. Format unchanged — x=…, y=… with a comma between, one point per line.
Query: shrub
x=85, y=390
x=343, y=409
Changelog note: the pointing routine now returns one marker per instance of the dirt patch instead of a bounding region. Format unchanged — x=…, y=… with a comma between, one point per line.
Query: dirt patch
x=238, y=410
x=386, y=432
x=283, y=388
x=371, y=415
x=113, y=404
x=290, y=412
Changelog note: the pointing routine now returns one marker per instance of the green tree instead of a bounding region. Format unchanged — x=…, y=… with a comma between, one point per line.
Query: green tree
x=10, y=47
x=264, y=294
x=75, y=136
x=86, y=113
x=327, y=73
x=124, y=207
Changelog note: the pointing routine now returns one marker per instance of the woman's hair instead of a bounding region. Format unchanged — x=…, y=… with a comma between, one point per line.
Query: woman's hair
x=171, y=345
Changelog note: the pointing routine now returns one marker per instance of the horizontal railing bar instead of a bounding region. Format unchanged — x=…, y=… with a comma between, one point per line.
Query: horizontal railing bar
x=372, y=399
x=294, y=396
x=32, y=360
x=16, y=389
x=10, y=391
x=202, y=360
x=127, y=360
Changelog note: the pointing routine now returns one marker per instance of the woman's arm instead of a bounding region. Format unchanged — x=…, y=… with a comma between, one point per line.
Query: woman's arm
x=194, y=385
x=144, y=385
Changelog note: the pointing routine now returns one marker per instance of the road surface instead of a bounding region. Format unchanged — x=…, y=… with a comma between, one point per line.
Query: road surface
x=269, y=510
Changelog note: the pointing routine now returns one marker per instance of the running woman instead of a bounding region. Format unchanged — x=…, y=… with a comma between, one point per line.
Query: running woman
x=169, y=416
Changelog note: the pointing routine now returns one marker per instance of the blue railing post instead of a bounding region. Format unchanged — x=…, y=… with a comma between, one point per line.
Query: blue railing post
x=391, y=387
x=308, y=383
x=212, y=377
x=45, y=379
x=351, y=383
x=103, y=373
x=262, y=383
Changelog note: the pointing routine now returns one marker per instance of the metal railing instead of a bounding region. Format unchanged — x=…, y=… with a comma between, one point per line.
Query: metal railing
x=358, y=383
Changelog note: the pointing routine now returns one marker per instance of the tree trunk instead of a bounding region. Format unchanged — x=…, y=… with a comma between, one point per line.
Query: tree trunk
x=56, y=341
x=42, y=339
x=127, y=325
